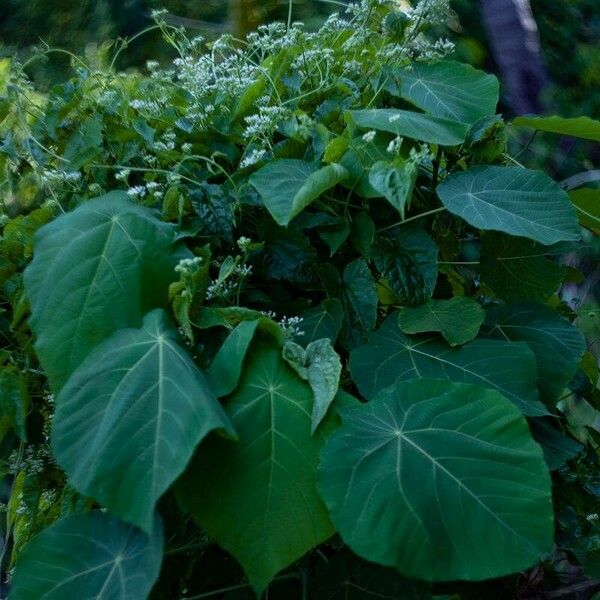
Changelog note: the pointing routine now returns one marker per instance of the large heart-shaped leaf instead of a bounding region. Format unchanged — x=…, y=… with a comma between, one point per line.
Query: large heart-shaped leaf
x=511, y=199
x=428, y=472
x=518, y=268
x=580, y=127
x=287, y=186
x=417, y=126
x=450, y=89
x=457, y=319
x=263, y=504
x=130, y=417
x=390, y=356
x=557, y=345
x=95, y=270
x=92, y=555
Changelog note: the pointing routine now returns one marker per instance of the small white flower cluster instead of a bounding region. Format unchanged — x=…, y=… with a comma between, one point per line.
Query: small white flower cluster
x=263, y=124
x=426, y=50
x=188, y=265
x=243, y=243
x=369, y=136
x=137, y=191
x=57, y=176
x=152, y=188
x=291, y=326
x=395, y=145
x=123, y=175
x=33, y=461
x=150, y=106
x=220, y=289
x=166, y=143
x=253, y=158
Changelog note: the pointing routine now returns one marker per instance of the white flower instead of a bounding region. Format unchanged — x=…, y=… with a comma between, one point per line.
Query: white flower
x=369, y=136
x=137, y=191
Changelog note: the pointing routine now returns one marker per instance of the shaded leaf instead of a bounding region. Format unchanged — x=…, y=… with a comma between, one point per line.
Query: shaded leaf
x=93, y=555
x=587, y=205
x=322, y=321
x=557, y=345
x=130, y=417
x=390, y=356
x=580, y=127
x=513, y=200
x=14, y=402
x=558, y=448
x=395, y=182
x=418, y=478
x=263, y=505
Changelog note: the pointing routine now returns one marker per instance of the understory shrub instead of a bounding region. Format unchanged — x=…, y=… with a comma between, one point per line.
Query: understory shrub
x=290, y=298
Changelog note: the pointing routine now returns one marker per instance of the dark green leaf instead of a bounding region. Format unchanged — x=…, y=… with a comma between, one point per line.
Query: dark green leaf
x=513, y=200
x=580, y=127
x=92, y=555
x=587, y=205
x=263, y=506
x=558, y=448
x=130, y=417
x=322, y=321
x=424, y=475
x=390, y=356
x=557, y=345
x=14, y=402
x=395, y=182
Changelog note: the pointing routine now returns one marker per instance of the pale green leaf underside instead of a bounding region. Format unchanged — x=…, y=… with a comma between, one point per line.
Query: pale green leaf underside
x=457, y=319
x=95, y=270
x=513, y=200
x=226, y=367
x=92, y=555
x=287, y=186
x=450, y=89
x=442, y=481
x=130, y=417
x=417, y=126
x=557, y=345
x=390, y=356
x=580, y=127
x=263, y=505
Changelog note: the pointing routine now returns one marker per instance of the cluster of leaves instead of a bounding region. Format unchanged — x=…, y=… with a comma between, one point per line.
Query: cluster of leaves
x=297, y=291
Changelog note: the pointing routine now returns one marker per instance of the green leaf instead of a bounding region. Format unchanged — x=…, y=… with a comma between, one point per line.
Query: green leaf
x=320, y=365
x=450, y=89
x=580, y=127
x=518, y=269
x=92, y=555
x=363, y=233
x=225, y=370
x=390, y=356
x=96, y=270
x=426, y=474
x=359, y=299
x=287, y=186
x=556, y=344
x=407, y=260
x=322, y=321
x=587, y=205
x=130, y=417
x=263, y=506
x=417, y=126
x=395, y=182
x=14, y=402
x=511, y=199
x=457, y=319
x=558, y=448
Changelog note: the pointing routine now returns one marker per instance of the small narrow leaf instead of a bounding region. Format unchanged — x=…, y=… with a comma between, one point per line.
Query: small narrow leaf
x=287, y=186
x=580, y=127
x=225, y=370
x=92, y=555
x=513, y=200
x=450, y=89
x=424, y=475
x=390, y=356
x=414, y=125
x=263, y=506
x=130, y=417
x=457, y=319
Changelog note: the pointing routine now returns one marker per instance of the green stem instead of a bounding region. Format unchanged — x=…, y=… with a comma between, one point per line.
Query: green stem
x=419, y=216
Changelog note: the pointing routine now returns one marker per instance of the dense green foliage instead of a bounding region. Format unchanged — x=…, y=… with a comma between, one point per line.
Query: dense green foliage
x=291, y=299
